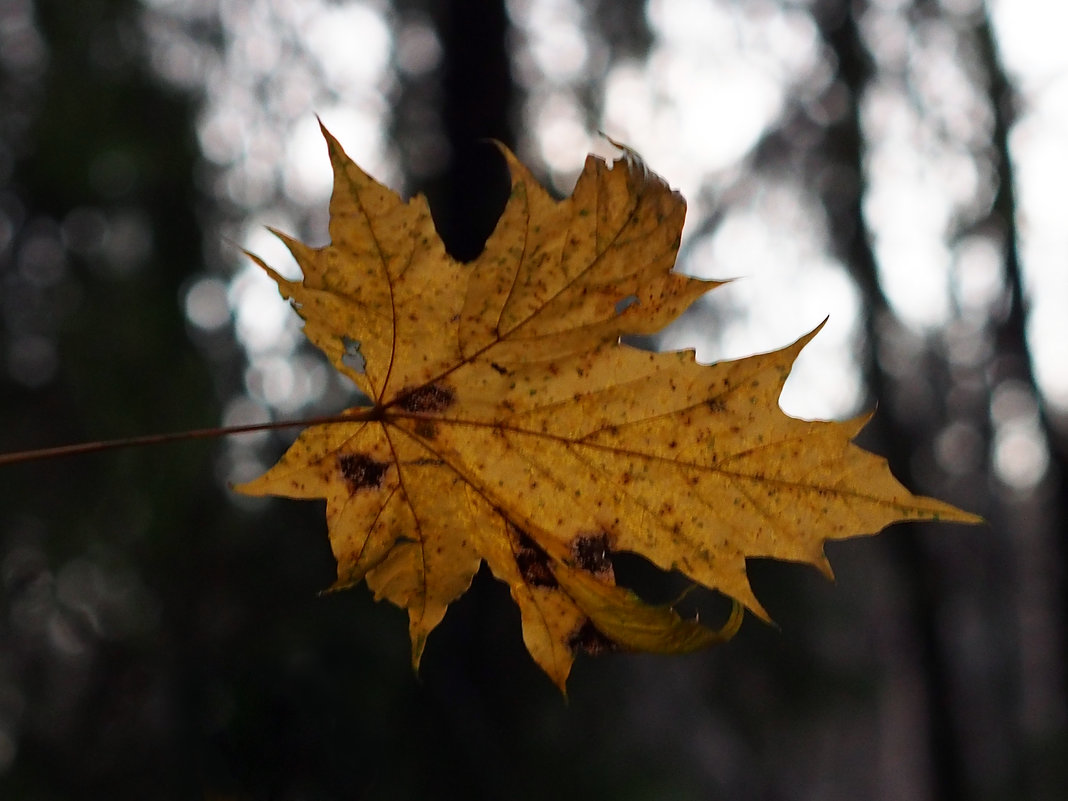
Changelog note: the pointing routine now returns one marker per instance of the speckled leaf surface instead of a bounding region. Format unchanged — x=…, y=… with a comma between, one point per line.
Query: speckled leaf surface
x=511, y=426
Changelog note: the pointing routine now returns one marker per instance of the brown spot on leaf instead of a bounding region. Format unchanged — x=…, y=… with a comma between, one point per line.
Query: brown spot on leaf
x=426, y=429
x=498, y=368
x=430, y=398
x=361, y=472
x=589, y=639
x=533, y=562
x=593, y=554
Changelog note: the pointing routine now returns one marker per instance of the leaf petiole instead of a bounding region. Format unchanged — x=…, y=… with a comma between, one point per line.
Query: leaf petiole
x=17, y=457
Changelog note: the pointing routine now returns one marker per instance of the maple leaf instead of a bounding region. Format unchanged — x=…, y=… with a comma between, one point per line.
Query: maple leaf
x=511, y=425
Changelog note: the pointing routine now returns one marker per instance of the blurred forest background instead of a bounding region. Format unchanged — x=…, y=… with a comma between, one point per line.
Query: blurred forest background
x=897, y=164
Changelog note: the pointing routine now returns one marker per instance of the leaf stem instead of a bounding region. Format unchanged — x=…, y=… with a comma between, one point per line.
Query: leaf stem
x=38, y=454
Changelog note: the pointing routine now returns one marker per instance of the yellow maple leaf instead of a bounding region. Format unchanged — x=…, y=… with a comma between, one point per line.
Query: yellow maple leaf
x=510, y=425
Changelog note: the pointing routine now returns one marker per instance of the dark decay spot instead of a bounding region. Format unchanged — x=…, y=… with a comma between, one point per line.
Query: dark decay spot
x=426, y=429
x=589, y=639
x=593, y=554
x=715, y=405
x=533, y=562
x=498, y=368
x=361, y=471
x=431, y=398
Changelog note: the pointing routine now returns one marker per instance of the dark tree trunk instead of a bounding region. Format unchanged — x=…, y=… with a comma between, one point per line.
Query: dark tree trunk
x=477, y=103
x=893, y=436
x=1036, y=521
